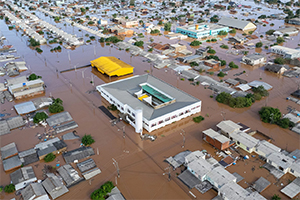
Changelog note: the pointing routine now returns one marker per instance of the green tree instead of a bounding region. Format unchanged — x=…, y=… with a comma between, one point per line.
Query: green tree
x=233, y=65
x=259, y=44
x=87, y=140
x=33, y=77
x=280, y=40
x=114, y=15
x=285, y=123
x=160, y=23
x=39, y=116
x=167, y=26
x=9, y=188
x=221, y=74
x=261, y=90
x=154, y=31
x=195, y=43
x=222, y=33
x=56, y=108
x=198, y=119
x=101, y=40
x=34, y=43
x=223, y=62
x=279, y=61
x=100, y=193
x=270, y=115
x=270, y=32
x=49, y=157
x=276, y=197
x=139, y=43
x=211, y=51
x=82, y=10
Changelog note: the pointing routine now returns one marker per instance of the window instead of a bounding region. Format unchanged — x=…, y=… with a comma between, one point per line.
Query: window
x=118, y=105
x=238, y=142
x=146, y=124
x=292, y=170
x=187, y=111
x=133, y=114
x=122, y=108
x=180, y=114
x=160, y=122
x=128, y=111
x=174, y=116
x=153, y=125
x=167, y=119
x=247, y=148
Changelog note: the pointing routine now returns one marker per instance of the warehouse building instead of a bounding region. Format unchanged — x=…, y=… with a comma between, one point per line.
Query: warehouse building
x=237, y=24
x=112, y=66
x=148, y=102
x=286, y=52
x=201, y=30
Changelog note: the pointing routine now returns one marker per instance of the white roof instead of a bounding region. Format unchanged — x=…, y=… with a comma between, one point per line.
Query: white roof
x=228, y=126
x=260, y=83
x=244, y=87
x=200, y=167
x=244, y=139
x=24, y=108
x=215, y=135
x=266, y=147
x=220, y=176
x=194, y=156
x=280, y=159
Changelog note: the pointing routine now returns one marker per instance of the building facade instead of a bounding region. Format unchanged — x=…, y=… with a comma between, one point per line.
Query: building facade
x=201, y=30
x=285, y=52
x=161, y=103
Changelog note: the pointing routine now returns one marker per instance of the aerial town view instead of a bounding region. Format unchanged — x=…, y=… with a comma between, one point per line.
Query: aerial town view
x=150, y=99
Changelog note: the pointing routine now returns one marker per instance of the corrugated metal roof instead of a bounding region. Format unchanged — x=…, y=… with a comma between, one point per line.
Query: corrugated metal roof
x=15, y=122
x=11, y=163
x=78, y=154
x=235, y=23
x=112, y=66
x=59, y=118
x=91, y=173
x=86, y=165
x=9, y=150
x=24, y=108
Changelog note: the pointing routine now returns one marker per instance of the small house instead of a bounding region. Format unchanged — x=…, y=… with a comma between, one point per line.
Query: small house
x=78, y=154
x=54, y=146
x=212, y=63
x=177, y=47
x=54, y=186
x=280, y=161
x=9, y=150
x=23, y=177
x=202, y=52
x=244, y=141
x=227, y=127
x=253, y=59
x=278, y=69
x=216, y=139
x=34, y=191
x=69, y=175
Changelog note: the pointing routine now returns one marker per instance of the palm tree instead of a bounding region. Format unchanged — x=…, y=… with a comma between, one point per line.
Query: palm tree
x=276, y=197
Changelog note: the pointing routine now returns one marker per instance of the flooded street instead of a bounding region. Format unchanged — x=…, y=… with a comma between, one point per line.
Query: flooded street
x=142, y=162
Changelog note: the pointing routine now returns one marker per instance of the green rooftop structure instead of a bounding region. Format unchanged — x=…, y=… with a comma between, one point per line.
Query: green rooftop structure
x=156, y=93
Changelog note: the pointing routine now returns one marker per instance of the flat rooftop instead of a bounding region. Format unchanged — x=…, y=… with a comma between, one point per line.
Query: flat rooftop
x=126, y=90
x=201, y=27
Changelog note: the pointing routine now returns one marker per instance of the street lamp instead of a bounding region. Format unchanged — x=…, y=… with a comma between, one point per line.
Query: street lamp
x=183, y=137
x=115, y=163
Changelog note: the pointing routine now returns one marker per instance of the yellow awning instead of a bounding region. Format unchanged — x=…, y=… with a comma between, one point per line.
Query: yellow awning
x=112, y=66
x=142, y=97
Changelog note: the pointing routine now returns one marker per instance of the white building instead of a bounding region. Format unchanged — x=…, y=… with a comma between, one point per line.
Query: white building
x=161, y=103
x=285, y=52
x=253, y=59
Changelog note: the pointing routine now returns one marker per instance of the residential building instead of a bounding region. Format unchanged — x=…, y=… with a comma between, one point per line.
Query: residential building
x=244, y=141
x=23, y=177
x=9, y=151
x=201, y=30
x=237, y=40
x=280, y=161
x=265, y=148
x=177, y=47
x=278, y=69
x=253, y=59
x=227, y=127
x=212, y=63
x=237, y=24
x=29, y=156
x=120, y=30
x=27, y=89
x=287, y=30
x=148, y=102
x=295, y=21
x=69, y=175
x=199, y=168
x=11, y=163
x=78, y=154
x=54, y=146
x=54, y=186
x=201, y=51
x=34, y=191
x=219, y=176
x=216, y=139
x=286, y=52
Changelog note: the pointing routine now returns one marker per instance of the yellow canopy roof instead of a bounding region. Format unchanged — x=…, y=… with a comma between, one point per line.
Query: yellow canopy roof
x=112, y=66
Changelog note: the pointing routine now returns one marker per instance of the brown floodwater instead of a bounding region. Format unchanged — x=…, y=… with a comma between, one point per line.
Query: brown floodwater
x=142, y=162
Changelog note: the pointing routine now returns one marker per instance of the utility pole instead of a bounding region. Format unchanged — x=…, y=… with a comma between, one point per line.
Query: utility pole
x=123, y=128
x=115, y=163
x=183, y=137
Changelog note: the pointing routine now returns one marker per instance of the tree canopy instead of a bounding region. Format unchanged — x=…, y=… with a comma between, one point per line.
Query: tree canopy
x=100, y=193
x=39, y=116
x=9, y=188
x=56, y=106
x=167, y=26
x=87, y=140
x=33, y=77
x=49, y=157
